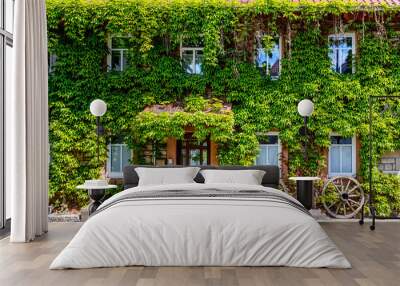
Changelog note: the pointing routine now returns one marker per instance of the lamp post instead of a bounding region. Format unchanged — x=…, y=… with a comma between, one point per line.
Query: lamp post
x=305, y=109
x=97, y=188
x=305, y=184
x=98, y=108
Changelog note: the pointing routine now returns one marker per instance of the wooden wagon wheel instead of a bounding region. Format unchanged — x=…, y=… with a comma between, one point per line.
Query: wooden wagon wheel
x=342, y=197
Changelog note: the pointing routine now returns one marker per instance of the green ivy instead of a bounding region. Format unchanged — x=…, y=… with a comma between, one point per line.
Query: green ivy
x=157, y=127
x=78, y=31
x=387, y=196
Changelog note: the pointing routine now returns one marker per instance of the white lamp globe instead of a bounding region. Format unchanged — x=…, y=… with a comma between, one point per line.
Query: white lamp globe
x=305, y=107
x=98, y=107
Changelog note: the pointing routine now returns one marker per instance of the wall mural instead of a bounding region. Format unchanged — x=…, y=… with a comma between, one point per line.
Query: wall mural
x=259, y=58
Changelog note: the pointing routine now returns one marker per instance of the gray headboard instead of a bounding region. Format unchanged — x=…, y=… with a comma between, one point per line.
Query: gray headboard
x=270, y=179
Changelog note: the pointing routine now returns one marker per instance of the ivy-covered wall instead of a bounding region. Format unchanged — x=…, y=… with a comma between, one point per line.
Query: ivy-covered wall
x=78, y=33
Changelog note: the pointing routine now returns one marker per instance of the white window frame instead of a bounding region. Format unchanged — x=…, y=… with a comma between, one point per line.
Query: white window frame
x=6, y=46
x=115, y=175
x=353, y=48
x=275, y=77
x=123, y=52
x=194, y=50
x=272, y=133
x=353, y=157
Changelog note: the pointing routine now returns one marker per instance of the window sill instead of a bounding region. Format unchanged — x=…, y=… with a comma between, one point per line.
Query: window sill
x=341, y=175
x=115, y=176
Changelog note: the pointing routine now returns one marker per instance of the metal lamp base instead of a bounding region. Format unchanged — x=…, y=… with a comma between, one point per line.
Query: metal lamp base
x=305, y=193
x=96, y=197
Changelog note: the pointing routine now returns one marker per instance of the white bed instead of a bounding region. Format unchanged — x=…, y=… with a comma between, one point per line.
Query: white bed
x=209, y=230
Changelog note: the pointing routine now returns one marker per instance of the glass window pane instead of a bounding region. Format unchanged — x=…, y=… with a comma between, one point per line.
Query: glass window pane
x=115, y=159
x=273, y=155
x=333, y=57
x=268, y=155
x=334, y=159
x=194, y=157
x=272, y=139
x=9, y=15
x=340, y=53
x=8, y=89
x=347, y=159
x=116, y=60
x=262, y=156
x=205, y=157
x=341, y=42
x=341, y=140
x=9, y=65
x=126, y=156
x=346, y=61
x=344, y=140
x=261, y=59
x=187, y=61
x=199, y=62
x=349, y=42
x=268, y=139
x=335, y=139
x=274, y=59
x=269, y=62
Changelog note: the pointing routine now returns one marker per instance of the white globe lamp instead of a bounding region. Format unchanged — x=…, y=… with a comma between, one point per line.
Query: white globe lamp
x=98, y=107
x=305, y=107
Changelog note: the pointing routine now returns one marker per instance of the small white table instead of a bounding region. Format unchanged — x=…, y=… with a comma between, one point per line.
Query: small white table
x=96, y=193
x=304, y=187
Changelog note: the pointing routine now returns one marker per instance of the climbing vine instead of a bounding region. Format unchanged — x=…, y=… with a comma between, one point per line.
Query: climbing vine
x=78, y=33
x=207, y=121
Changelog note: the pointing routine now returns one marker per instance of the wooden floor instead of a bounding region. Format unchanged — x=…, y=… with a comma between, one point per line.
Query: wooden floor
x=375, y=257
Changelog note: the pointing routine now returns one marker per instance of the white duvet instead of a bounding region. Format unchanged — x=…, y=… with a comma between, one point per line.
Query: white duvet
x=200, y=231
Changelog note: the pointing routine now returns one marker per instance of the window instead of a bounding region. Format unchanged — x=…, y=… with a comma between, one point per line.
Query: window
x=6, y=66
x=119, y=156
x=192, y=57
x=269, y=63
x=341, y=52
x=191, y=152
x=342, y=156
x=118, y=59
x=270, y=150
x=9, y=19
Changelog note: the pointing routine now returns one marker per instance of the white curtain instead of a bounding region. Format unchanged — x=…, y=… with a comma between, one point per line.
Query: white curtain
x=27, y=124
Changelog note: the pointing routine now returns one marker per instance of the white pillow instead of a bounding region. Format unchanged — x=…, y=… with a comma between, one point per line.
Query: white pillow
x=166, y=176
x=248, y=177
